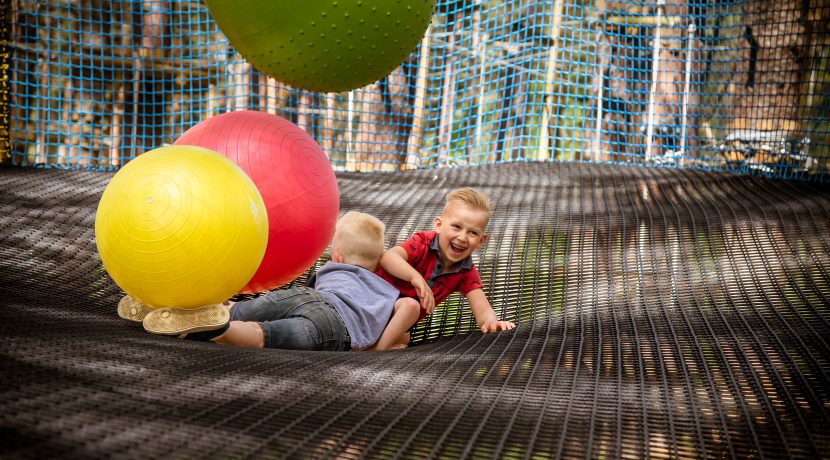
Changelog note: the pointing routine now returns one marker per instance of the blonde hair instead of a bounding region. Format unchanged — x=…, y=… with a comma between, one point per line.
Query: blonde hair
x=358, y=237
x=469, y=197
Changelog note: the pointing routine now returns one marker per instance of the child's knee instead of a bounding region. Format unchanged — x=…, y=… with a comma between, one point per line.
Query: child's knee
x=409, y=307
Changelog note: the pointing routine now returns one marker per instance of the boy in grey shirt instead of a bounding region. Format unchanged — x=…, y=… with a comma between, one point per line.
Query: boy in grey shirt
x=344, y=307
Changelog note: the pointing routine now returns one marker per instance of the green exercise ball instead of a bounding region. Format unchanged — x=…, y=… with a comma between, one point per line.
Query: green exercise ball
x=323, y=45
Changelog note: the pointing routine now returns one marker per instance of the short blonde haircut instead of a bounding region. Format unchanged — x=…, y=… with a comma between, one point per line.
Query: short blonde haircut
x=471, y=198
x=358, y=237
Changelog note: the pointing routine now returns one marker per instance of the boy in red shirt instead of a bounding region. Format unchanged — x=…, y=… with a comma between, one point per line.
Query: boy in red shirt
x=430, y=266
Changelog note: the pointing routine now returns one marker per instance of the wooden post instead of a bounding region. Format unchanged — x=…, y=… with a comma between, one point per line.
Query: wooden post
x=41, y=102
x=329, y=130
x=545, y=149
x=655, y=72
x=118, y=102
x=230, y=88
x=478, y=46
x=240, y=74
x=351, y=163
x=262, y=93
x=515, y=125
x=272, y=101
x=117, y=124
x=43, y=113
x=445, y=119
x=70, y=145
x=211, y=107
x=599, y=86
x=686, y=88
x=413, y=159
x=815, y=58
x=305, y=103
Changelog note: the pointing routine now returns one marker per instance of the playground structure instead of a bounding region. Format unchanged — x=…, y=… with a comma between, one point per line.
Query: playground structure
x=660, y=236
x=733, y=86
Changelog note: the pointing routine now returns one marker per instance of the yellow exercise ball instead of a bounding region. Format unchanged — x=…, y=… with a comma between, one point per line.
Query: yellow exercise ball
x=181, y=226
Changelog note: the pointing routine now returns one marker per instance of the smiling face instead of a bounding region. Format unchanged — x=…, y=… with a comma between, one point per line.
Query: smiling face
x=460, y=231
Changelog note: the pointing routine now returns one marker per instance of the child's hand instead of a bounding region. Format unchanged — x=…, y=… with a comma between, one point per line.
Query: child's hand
x=493, y=326
x=424, y=293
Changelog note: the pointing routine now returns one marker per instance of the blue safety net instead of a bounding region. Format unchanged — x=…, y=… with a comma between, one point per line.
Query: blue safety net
x=739, y=86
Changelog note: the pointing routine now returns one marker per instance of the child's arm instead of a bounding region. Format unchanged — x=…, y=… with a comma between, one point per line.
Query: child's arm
x=394, y=261
x=485, y=315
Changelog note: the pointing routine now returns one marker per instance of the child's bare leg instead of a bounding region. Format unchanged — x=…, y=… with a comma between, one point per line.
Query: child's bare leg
x=403, y=341
x=395, y=334
x=242, y=334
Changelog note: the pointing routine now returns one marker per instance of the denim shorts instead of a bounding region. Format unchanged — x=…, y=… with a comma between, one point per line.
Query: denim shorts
x=297, y=318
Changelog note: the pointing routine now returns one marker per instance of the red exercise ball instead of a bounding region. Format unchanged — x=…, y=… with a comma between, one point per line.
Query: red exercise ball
x=293, y=176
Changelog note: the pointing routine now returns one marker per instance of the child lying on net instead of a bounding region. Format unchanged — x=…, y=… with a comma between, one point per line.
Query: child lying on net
x=345, y=306
x=432, y=265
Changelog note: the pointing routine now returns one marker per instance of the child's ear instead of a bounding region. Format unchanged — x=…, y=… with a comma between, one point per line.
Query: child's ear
x=483, y=240
x=436, y=224
x=336, y=257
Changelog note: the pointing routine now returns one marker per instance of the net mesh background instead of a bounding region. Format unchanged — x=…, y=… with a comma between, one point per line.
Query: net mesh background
x=735, y=86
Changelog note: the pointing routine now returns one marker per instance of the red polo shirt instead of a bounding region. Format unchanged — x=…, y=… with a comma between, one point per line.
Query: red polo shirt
x=422, y=254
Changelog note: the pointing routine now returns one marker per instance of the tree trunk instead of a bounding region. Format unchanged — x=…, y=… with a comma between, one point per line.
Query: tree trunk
x=772, y=69
x=770, y=66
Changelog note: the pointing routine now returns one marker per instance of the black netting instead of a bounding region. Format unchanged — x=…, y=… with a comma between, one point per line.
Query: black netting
x=662, y=313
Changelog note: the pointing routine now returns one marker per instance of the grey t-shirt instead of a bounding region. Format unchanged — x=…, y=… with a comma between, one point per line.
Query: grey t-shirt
x=363, y=299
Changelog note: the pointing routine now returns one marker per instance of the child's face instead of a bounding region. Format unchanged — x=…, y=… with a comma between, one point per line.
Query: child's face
x=461, y=231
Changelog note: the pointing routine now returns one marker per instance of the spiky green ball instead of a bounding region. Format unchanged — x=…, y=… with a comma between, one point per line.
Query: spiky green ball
x=323, y=45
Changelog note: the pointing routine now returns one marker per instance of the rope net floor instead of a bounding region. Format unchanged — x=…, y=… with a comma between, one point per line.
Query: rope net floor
x=661, y=313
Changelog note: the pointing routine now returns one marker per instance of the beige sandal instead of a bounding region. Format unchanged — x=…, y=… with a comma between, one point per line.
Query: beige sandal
x=132, y=310
x=178, y=321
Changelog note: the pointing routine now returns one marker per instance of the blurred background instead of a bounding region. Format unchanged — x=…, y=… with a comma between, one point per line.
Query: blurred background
x=733, y=85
